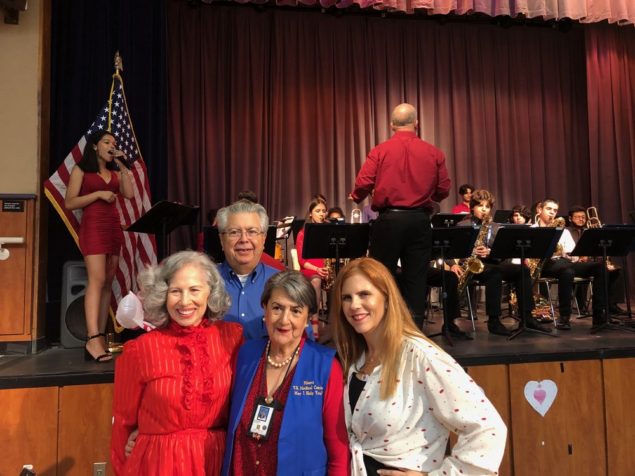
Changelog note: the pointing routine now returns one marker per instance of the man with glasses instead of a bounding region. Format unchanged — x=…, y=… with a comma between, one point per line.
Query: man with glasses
x=242, y=228
x=577, y=225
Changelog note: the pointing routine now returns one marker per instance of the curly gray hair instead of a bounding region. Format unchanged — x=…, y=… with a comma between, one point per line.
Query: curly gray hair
x=242, y=206
x=154, y=282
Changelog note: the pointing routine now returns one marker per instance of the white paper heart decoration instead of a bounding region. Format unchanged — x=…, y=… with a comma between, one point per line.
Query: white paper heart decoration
x=541, y=395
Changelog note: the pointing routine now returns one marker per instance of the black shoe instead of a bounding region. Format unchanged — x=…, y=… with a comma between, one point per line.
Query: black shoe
x=564, y=323
x=105, y=357
x=495, y=326
x=532, y=323
x=454, y=331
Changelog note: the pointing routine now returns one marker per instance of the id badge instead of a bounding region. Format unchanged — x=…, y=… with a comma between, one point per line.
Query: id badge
x=261, y=419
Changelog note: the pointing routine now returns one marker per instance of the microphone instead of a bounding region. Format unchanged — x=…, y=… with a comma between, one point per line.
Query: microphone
x=119, y=154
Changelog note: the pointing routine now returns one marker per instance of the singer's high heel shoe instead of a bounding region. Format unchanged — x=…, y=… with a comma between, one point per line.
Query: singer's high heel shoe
x=105, y=357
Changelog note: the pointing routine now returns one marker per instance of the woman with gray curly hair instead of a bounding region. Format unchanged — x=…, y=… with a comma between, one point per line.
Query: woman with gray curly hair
x=172, y=384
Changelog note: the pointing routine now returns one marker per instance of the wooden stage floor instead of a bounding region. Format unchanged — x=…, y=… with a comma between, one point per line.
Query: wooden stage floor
x=57, y=366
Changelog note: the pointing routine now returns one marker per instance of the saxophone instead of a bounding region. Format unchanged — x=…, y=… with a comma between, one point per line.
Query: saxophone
x=329, y=264
x=473, y=265
x=535, y=265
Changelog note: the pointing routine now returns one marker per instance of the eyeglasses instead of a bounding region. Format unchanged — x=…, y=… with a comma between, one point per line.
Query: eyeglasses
x=236, y=233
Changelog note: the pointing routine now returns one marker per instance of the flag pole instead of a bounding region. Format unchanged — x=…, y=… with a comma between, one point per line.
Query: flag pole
x=118, y=62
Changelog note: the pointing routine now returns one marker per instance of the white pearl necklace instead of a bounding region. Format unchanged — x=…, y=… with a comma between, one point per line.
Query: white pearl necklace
x=285, y=362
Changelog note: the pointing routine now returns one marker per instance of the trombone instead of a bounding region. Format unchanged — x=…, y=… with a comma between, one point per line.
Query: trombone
x=592, y=218
x=593, y=221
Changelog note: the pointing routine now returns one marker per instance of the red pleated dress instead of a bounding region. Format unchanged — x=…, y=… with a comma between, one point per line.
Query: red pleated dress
x=100, y=230
x=173, y=384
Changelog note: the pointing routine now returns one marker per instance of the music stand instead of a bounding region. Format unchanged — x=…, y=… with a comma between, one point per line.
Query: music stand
x=441, y=220
x=270, y=240
x=520, y=241
x=283, y=231
x=328, y=240
x=502, y=216
x=212, y=245
x=604, y=242
x=449, y=243
x=296, y=226
x=162, y=219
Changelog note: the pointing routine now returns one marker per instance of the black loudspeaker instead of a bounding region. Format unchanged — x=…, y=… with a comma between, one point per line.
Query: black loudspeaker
x=72, y=318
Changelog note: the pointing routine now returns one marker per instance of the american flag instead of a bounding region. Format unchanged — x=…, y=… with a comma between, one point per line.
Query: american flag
x=139, y=249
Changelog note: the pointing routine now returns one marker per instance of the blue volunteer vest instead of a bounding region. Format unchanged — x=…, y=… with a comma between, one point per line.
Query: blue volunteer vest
x=301, y=448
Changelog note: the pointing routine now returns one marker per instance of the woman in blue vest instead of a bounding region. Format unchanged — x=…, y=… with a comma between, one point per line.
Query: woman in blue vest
x=286, y=415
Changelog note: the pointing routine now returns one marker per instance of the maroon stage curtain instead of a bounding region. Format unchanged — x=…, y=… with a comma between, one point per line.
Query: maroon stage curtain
x=288, y=103
x=610, y=59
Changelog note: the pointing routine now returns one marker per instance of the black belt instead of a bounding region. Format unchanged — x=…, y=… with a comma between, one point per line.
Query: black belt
x=405, y=210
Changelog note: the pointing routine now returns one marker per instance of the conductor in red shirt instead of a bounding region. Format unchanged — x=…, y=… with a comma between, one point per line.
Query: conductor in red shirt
x=407, y=175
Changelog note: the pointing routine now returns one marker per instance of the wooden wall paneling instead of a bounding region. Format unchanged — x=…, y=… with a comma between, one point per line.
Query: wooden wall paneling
x=42, y=207
x=85, y=428
x=570, y=438
x=16, y=275
x=29, y=425
x=494, y=380
x=585, y=418
x=619, y=396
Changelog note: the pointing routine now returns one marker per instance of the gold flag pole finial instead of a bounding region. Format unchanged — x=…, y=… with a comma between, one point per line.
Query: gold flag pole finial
x=118, y=62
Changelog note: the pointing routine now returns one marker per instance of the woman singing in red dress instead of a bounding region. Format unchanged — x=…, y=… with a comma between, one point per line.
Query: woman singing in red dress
x=173, y=383
x=93, y=186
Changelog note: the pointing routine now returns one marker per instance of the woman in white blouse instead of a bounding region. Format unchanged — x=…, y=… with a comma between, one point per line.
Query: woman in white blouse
x=403, y=394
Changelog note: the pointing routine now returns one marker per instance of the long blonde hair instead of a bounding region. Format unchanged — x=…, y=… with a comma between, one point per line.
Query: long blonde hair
x=395, y=326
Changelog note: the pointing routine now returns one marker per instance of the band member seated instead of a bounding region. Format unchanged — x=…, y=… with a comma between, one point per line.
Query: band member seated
x=465, y=191
x=436, y=278
x=335, y=215
x=565, y=268
x=520, y=215
x=577, y=224
x=315, y=269
x=495, y=271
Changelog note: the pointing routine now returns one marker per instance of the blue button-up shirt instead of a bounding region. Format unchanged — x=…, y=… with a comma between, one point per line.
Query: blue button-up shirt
x=245, y=308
